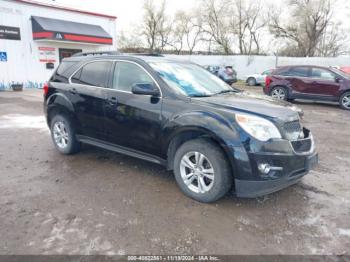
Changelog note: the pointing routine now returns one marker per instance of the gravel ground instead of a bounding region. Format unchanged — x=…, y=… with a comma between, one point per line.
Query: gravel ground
x=98, y=202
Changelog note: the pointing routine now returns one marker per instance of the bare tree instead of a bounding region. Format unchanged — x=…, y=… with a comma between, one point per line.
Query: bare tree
x=178, y=32
x=334, y=42
x=130, y=40
x=154, y=22
x=249, y=21
x=194, y=30
x=305, y=27
x=234, y=24
x=217, y=24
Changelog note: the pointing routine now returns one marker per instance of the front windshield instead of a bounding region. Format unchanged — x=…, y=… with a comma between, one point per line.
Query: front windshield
x=190, y=79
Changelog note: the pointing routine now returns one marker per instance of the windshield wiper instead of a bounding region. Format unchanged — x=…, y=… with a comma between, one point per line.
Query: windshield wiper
x=200, y=95
x=227, y=91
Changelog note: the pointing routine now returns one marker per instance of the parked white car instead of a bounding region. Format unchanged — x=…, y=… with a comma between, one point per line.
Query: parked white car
x=258, y=79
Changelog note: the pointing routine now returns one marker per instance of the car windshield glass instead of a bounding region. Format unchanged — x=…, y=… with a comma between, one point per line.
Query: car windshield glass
x=339, y=72
x=190, y=80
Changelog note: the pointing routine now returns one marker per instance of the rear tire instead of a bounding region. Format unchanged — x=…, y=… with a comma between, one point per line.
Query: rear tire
x=345, y=101
x=279, y=93
x=63, y=135
x=251, y=81
x=211, y=175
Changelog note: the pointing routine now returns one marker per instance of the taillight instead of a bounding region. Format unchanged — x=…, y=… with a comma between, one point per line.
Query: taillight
x=46, y=88
x=268, y=81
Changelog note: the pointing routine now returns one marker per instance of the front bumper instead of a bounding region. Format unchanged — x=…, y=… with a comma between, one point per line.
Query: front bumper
x=291, y=160
x=292, y=175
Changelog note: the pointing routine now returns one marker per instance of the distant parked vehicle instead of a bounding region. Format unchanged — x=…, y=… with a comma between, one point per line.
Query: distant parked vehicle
x=345, y=69
x=309, y=82
x=213, y=69
x=258, y=79
x=227, y=74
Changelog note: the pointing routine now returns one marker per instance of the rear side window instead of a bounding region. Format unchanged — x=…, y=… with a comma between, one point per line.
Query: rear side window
x=64, y=66
x=93, y=74
x=282, y=71
x=62, y=72
x=295, y=71
x=299, y=71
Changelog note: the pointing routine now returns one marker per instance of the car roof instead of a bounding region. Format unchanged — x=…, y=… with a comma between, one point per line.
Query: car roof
x=130, y=57
x=309, y=66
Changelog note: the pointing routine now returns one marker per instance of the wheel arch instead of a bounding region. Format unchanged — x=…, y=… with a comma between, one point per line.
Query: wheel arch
x=343, y=92
x=58, y=103
x=191, y=132
x=250, y=77
x=288, y=89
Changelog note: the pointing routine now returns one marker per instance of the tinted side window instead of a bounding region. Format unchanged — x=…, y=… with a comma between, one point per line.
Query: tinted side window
x=267, y=73
x=64, y=66
x=322, y=74
x=61, y=74
x=282, y=72
x=299, y=71
x=127, y=74
x=93, y=74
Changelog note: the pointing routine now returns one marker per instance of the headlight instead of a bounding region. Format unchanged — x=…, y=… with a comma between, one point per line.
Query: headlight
x=258, y=127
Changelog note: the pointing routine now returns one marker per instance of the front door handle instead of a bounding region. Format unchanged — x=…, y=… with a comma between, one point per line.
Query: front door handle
x=73, y=91
x=112, y=100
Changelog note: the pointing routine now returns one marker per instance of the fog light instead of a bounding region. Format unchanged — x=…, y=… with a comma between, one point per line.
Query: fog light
x=265, y=168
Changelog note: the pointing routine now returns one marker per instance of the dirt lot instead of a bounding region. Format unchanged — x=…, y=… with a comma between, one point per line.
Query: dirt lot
x=99, y=202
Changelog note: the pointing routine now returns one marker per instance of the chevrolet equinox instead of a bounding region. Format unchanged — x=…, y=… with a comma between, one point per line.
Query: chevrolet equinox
x=177, y=114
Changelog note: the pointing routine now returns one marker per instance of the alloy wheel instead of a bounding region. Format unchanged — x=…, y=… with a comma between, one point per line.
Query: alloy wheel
x=60, y=134
x=197, y=172
x=346, y=101
x=279, y=93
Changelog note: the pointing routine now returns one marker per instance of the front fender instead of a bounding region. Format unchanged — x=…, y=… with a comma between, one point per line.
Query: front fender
x=211, y=123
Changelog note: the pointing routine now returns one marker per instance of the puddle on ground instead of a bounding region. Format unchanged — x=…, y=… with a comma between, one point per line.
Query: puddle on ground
x=23, y=121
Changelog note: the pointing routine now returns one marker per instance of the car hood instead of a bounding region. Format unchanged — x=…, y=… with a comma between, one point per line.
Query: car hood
x=252, y=103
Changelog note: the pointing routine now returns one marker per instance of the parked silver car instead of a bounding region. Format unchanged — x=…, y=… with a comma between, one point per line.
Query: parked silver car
x=258, y=79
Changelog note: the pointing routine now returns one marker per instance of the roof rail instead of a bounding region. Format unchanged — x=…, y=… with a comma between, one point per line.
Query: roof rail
x=96, y=53
x=145, y=54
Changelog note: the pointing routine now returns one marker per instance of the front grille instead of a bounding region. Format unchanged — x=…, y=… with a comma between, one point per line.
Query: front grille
x=302, y=146
x=292, y=130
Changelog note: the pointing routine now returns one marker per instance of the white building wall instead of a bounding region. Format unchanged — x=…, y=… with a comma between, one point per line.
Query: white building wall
x=246, y=65
x=23, y=65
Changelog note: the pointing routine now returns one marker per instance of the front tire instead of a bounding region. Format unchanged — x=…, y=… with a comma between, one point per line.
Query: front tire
x=345, y=101
x=63, y=135
x=202, y=170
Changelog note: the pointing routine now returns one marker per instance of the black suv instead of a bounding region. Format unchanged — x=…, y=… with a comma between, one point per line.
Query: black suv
x=179, y=115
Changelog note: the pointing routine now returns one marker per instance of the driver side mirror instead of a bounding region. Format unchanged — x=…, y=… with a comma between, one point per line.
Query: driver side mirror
x=338, y=79
x=145, y=89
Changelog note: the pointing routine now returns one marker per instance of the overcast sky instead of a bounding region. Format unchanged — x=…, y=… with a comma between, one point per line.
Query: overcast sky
x=130, y=12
